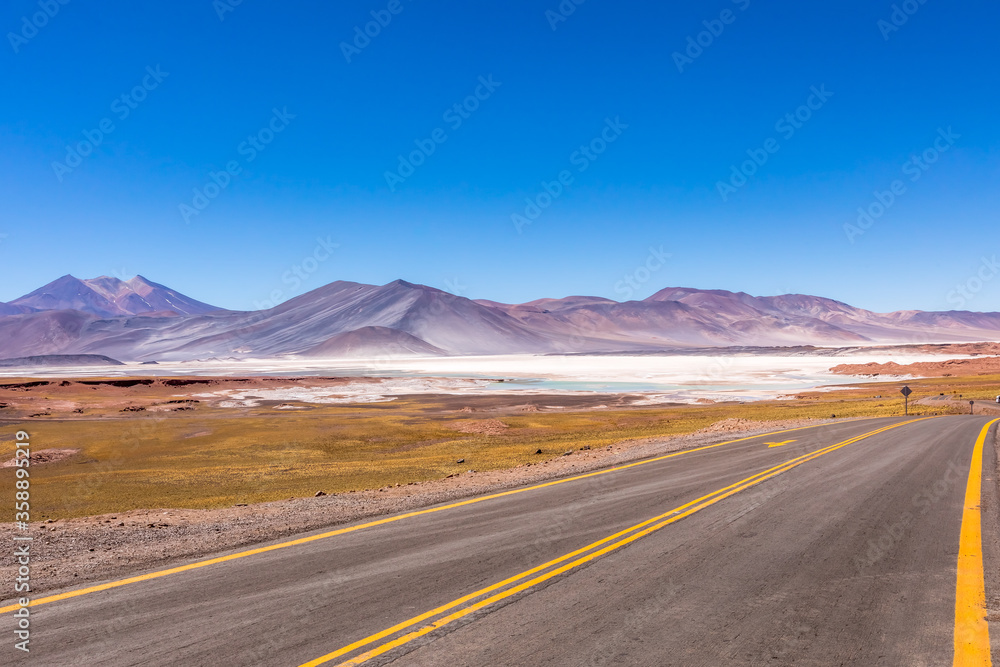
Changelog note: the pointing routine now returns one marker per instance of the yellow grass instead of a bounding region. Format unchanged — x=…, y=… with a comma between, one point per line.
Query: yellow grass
x=218, y=457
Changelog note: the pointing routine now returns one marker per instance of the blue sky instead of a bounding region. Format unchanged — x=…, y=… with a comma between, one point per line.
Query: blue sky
x=641, y=136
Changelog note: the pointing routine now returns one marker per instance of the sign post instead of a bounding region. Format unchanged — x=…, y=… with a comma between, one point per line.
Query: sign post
x=972, y=407
x=906, y=391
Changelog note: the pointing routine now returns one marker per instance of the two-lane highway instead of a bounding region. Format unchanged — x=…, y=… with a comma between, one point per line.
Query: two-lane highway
x=836, y=544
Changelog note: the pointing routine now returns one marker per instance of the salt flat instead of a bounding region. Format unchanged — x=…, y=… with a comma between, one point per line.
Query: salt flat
x=659, y=378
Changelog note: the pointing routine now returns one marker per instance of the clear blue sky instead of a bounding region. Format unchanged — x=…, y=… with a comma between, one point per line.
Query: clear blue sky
x=323, y=175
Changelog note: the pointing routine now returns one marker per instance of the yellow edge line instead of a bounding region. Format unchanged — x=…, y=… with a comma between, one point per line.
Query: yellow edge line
x=665, y=519
x=371, y=524
x=972, y=633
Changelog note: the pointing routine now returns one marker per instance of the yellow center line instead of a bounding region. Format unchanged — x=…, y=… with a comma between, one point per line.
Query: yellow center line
x=972, y=633
x=372, y=524
x=603, y=546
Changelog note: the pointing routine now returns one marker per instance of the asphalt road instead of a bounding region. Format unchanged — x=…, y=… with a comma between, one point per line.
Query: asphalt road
x=847, y=558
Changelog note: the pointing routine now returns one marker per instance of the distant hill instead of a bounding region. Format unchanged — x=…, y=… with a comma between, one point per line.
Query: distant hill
x=347, y=319
x=371, y=342
x=51, y=360
x=8, y=309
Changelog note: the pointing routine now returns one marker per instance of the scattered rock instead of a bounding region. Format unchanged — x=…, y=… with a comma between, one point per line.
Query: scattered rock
x=735, y=424
x=539, y=451
x=319, y=493
x=460, y=461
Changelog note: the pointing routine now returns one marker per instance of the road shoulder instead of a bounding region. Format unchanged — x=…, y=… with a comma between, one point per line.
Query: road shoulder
x=77, y=551
x=991, y=537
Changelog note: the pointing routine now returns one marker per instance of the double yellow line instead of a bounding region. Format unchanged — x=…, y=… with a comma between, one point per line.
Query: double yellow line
x=371, y=524
x=537, y=575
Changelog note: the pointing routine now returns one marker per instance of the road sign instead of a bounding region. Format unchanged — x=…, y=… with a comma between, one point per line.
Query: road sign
x=905, y=391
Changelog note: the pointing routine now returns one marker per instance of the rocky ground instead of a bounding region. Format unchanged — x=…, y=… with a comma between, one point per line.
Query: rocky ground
x=74, y=551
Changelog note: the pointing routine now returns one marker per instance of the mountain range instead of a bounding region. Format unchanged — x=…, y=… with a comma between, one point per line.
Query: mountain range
x=139, y=320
